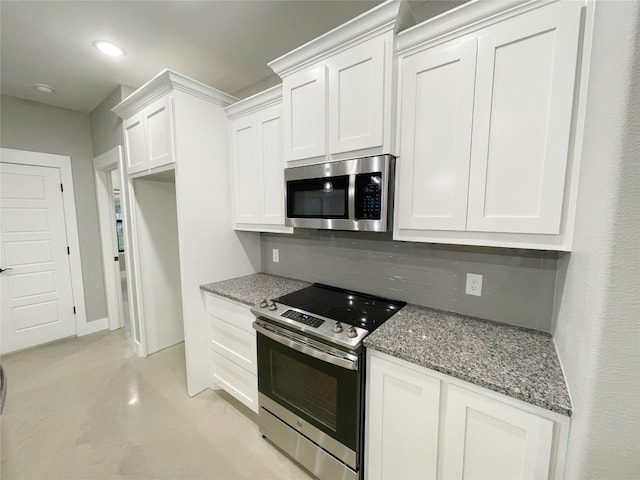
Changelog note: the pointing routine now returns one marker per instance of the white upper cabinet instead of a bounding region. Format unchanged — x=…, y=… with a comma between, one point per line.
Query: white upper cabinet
x=522, y=121
x=489, y=122
x=148, y=137
x=158, y=119
x=338, y=100
x=437, y=108
x=244, y=152
x=269, y=122
x=134, y=139
x=257, y=162
x=305, y=104
x=356, y=97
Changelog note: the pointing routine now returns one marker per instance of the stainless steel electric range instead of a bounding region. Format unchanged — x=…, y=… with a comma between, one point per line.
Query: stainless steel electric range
x=311, y=373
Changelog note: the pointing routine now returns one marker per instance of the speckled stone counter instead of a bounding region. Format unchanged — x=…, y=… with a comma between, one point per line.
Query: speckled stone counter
x=520, y=363
x=250, y=289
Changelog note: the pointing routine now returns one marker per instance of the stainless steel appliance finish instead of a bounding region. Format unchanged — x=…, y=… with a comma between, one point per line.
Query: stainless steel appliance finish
x=342, y=453
x=296, y=445
x=311, y=375
x=326, y=332
x=307, y=345
x=362, y=202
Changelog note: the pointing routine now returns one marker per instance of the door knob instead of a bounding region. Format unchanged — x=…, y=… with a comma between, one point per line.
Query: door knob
x=5, y=269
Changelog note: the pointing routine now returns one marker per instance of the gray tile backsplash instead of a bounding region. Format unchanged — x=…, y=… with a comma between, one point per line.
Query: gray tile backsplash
x=518, y=285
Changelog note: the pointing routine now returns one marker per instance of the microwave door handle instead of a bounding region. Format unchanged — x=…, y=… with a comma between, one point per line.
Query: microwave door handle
x=351, y=200
x=308, y=349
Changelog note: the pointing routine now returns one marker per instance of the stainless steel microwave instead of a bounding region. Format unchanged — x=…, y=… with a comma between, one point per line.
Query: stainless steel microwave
x=352, y=194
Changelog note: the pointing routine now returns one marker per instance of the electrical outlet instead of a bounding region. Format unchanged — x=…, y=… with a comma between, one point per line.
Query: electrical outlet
x=276, y=255
x=474, y=284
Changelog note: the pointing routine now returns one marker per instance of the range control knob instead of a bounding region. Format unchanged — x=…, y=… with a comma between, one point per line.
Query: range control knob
x=351, y=333
x=272, y=306
x=337, y=327
x=263, y=303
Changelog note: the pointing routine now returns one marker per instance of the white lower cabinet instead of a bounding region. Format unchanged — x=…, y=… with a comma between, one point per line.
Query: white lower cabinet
x=488, y=439
x=403, y=413
x=422, y=424
x=232, y=349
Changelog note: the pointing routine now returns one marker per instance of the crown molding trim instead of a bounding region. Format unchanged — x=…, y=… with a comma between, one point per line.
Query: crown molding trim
x=165, y=82
x=461, y=20
x=266, y=98
x=375, y=21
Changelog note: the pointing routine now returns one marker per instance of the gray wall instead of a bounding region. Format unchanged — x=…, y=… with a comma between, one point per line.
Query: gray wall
x=37, y=127
x=259, y=86
x=106, y=126
x=597, y=330
x=518, y=285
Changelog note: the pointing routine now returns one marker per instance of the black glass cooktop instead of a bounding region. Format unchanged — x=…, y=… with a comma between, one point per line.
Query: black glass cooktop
x=351, y=308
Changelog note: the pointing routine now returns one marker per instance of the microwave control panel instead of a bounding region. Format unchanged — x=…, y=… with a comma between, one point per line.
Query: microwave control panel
x=368, y=203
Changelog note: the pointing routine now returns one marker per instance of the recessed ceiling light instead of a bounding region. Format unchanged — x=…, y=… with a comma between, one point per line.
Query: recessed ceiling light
x=108, y=48
x=43, y=88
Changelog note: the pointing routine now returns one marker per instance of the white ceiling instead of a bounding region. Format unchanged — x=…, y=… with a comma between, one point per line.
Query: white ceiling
x=223, y=43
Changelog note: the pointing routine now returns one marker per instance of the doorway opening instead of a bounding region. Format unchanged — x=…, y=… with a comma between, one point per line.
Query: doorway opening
x=119, y=217
x=111, y=217
x=157, y=261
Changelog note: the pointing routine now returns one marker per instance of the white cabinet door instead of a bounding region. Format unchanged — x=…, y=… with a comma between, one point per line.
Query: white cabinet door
x=521, y=122
x=304, y=104
x=435, y=143
x=356, y=97
x=159, y=125
x=247, y=169
x=484, y=438
x=269, y=123
x=403, y=412
x=148, y=137
x=134, y=139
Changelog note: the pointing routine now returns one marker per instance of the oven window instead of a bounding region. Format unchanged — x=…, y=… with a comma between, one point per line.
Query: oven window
x=318, y=197
x=312, y=391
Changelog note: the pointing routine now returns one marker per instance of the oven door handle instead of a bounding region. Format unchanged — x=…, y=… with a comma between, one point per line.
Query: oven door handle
x=307, y=349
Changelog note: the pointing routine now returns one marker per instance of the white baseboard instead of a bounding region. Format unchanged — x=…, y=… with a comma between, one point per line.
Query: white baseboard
x=92, y=327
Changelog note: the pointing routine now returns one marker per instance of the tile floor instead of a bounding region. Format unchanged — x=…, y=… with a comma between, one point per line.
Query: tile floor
x=87, y=408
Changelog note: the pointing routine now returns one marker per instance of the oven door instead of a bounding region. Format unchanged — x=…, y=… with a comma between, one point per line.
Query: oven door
x=314, y=392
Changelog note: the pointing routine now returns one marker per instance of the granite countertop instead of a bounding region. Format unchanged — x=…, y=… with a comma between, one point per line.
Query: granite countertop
x=520, y=363
x=250, y=289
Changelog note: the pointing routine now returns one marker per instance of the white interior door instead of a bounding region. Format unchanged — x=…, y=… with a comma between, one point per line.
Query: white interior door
x=37, y=299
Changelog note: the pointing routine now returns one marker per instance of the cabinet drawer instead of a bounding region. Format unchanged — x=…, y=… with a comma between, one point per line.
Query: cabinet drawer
x=229, y=311
x=234, y=380
x=234, y=344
